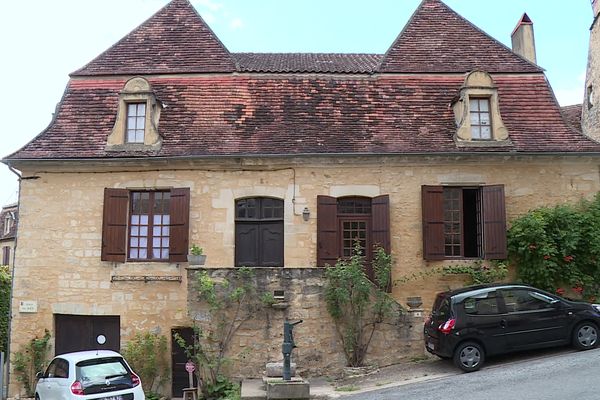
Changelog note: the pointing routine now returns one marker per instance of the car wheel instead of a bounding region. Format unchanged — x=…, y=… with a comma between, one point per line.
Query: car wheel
x=469, y=356
x=585, y=336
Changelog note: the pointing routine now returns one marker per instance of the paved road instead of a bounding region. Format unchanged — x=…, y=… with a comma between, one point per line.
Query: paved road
x=564, y=376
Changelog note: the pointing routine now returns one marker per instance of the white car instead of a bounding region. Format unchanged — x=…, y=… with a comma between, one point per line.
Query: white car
x=86, y=375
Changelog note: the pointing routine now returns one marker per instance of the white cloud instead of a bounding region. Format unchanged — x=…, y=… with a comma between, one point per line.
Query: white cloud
x=209, y=17
x=573, y=93
x=236, y=23
x=209, y=4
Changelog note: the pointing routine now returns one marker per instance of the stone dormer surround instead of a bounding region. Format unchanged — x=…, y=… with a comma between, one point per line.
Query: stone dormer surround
x=478, y=84
x=136, y=90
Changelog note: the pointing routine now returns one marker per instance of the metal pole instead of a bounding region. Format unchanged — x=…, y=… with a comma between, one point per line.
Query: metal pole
x=2, y=396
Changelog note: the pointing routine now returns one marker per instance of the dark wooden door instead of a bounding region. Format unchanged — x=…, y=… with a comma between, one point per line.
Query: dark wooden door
x=81, y=332
x=180, y=377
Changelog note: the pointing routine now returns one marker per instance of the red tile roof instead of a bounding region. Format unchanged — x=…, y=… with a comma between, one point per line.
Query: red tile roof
x=174, y=40
x=290, y=111
x=307, y=62
x=437, y=39
x=250, y=115
x=572, y=116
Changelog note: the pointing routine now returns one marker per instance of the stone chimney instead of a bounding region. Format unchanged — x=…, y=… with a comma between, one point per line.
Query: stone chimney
x=523, y=42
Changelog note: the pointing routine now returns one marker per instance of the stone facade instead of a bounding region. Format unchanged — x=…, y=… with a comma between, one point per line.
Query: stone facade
x=58, y=258
x=590, y=122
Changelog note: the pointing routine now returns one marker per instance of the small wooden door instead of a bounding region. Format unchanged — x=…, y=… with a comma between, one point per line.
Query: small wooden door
x=82, y=332
x=180, y=377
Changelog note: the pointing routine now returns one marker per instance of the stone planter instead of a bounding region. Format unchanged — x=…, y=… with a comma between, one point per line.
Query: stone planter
x=196, y=260
x=414, y=302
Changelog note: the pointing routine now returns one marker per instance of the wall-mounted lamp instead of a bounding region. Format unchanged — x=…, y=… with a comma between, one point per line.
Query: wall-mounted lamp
x=305, y=214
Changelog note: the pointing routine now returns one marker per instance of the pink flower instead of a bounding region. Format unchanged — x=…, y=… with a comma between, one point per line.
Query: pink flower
x=546, y=257
x=560, y=291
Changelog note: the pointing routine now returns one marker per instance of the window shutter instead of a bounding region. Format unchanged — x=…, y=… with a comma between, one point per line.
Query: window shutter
x=246, y=244
x=432, y=198
x=271, y=241
x=179, y=210
x=114, y=225
x=494, y=222
x=327, y=231
x=380, y=213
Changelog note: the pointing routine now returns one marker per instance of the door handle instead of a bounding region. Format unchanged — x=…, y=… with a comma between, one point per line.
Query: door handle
x=502, y=323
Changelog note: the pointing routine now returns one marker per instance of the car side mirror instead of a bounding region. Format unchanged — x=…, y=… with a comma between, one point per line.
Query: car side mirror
x=39, y=375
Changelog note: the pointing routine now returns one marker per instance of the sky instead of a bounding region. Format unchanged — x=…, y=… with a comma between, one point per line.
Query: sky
x=42, y=41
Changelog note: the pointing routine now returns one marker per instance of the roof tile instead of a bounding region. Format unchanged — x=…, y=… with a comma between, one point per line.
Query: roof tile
x=174, y=40
x=437, y=39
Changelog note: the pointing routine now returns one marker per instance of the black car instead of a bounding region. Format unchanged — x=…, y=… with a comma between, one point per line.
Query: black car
x=472, y=323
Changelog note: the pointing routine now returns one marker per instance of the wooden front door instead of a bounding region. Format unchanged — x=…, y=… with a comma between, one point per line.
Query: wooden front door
x=82, y=332
x=180, y=377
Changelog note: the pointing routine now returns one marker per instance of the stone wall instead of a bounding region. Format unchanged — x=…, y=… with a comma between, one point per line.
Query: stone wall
x=57, y=261
x=319, y=351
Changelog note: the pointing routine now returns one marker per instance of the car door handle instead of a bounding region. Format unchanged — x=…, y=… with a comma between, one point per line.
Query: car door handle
x=502, y=323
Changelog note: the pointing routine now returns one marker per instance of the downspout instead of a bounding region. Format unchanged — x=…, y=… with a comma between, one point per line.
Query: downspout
x=12, y=285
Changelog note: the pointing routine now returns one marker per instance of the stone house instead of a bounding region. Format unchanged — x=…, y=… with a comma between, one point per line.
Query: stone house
x=9, y=218
x=279, y=161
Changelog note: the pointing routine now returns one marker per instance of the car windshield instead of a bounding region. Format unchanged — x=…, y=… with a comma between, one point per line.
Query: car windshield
x=102, y=374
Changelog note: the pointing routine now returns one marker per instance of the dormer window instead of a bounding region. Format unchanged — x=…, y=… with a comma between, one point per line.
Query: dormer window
x=479, y=109
x=136, y=124
x=136, y=121
x=477, y=113
x=8, y=220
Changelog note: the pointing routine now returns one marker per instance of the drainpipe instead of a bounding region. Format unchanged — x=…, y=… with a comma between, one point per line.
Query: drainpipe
x=12, y=285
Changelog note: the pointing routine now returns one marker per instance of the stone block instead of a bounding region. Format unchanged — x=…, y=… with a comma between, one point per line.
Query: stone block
x=295, y=389
x=275, y=369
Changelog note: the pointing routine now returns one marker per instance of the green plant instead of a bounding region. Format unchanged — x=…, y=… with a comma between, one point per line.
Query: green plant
x=357, y=305
x=5, y=281
x=147, y=355
x=196, y=250
x=30, y=360
x=480, y=271
x=558, y=248
x=347, y=388
x=230, y=303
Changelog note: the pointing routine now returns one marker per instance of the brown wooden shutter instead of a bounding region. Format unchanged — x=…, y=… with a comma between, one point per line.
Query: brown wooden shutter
x=114, y=225
x=494, y=222
x=380, y=206
x=179, y=210
x=432, y=198
x=380, y=214
x=328, y=250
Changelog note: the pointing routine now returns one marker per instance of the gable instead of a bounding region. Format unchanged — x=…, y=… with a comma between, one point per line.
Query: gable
x=437, y=39
x=174, y=40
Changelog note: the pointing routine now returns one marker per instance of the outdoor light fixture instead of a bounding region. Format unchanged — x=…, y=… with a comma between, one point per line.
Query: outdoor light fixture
x=305, y=214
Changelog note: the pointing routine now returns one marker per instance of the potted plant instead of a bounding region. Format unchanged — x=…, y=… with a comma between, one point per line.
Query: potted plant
x=196, y=256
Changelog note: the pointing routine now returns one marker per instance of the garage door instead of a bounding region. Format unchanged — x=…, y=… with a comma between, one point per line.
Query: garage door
x=86, y=332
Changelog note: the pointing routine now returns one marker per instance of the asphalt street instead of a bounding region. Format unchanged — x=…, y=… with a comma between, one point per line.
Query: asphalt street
x=569, y=375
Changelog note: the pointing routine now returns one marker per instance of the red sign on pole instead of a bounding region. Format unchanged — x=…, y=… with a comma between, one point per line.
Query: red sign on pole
x=190, y=367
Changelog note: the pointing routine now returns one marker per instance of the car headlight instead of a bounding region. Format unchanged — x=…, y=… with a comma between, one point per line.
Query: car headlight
x=596, y=307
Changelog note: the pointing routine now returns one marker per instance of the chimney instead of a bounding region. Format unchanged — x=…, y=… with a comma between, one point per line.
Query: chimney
x=523, y=42
x=596, y=7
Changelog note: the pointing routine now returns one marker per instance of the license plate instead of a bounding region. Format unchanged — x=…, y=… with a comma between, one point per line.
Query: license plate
x=113, y=398
x=431, y=346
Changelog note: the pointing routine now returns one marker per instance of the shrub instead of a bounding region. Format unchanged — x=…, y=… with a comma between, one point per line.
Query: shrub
x=30, y=360
x=5, y=280
x=357, y=305
x=147, y=355
x=559, y=247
